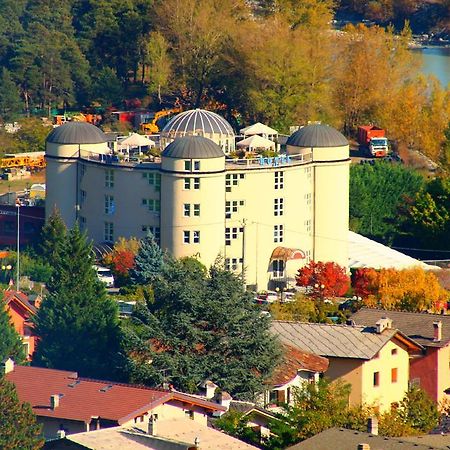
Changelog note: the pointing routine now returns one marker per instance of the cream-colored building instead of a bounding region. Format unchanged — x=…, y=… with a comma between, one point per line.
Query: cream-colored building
x=373, y=360
x=265, y=216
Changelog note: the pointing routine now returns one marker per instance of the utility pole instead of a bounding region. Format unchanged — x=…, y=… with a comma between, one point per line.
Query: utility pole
x=243, y=223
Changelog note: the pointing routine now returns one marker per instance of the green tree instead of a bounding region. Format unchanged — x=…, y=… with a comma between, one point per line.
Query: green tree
x=18, y=427
x=201, y=326
x=378, y=193
x=148, y=261
x=77, y=325
x=419, y=411
x=107, y=88
x=53, y=236
x=32, y=135
x=11, y=345
x=10, y=102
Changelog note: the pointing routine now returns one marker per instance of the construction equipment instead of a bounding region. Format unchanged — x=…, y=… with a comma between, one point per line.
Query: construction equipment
x=31, y=160
x=152, y=127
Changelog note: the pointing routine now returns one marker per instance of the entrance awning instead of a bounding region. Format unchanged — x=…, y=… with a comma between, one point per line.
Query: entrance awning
x=286, y=254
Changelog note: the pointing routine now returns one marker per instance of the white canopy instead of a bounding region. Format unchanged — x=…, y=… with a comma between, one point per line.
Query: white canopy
x=137, y=140
x=364, y=252
x=259, y=128
x=256, y=141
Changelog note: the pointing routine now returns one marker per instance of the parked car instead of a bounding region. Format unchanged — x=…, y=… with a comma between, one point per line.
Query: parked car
x=267, y=297
x=105, y=276
x=288, y=297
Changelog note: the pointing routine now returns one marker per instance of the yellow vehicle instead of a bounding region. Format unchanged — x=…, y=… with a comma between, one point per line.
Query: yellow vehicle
x=152, y=127
x=31, y=160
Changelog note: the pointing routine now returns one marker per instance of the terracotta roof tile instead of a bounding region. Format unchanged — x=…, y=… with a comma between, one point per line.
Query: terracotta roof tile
x=82, y=398
x=294, y=360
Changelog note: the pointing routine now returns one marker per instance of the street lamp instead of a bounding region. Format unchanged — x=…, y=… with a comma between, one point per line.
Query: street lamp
x=5, y=268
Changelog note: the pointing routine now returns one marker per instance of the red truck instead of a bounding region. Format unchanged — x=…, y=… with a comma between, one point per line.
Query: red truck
x=374, y=140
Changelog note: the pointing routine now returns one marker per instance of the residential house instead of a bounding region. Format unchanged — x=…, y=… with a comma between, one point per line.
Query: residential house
x=432, y=331
x=171, y=434
x=65, y=402
x=296, y=368
x=21, y=310
x=374, y=360
x=344, y=439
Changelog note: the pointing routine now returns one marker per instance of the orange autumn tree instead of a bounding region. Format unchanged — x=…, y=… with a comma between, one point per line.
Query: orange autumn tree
x=324, y=279
x=412, y=289
x=121, y=258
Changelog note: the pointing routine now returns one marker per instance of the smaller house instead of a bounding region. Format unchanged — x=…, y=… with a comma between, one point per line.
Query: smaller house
x=296, y=368
x=65, y=403
x=373, y=360
x=432, y=331
x=21, y=310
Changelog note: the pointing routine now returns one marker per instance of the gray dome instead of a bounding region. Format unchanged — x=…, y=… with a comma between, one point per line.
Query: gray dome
x=198, y=122
x=317, y=135
x=192, y=147
x=77, y=133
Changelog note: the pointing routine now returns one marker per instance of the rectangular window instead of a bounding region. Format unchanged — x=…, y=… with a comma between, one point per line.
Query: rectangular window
x=278, y=233
x=186, y=210
x=278, y=206
x=154, y=179
x=231, y=233
x=308, y=199
x=109, y=232
x=376, y=378
x=196, y=209
x=187, y=237
x=278, y=268
x=393, y=351
x=279, y=180
x=154, y=205
x=196, y=165
x=109, y=204
x=308, y=226
x=394, y=375
x=196, y=183
x=187, y=165
x=187, y=183
x=82, y=170
x=109, y=178
x=233, y=180
x=82, y=223
x=83, y=196
x=196, y=238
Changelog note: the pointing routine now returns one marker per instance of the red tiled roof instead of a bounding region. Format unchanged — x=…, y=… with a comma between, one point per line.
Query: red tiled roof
x=295, y=360
x=20, y=298
x=81, y=399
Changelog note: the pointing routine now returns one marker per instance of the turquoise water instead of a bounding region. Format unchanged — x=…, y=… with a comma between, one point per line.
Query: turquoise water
x=436, y=61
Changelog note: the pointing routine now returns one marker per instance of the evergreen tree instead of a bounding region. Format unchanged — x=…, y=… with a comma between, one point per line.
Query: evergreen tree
x=10, y=102
x=77, y=323
x=18, y=427
x=11, y=345
x=107, y=89
x=149, y=261
x=52, y=236
x=201, y=326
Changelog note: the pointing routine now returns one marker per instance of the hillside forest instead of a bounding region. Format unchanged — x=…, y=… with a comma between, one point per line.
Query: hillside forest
x=279, y=62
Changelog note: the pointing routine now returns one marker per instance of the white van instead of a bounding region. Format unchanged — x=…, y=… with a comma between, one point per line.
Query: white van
x=105, y=275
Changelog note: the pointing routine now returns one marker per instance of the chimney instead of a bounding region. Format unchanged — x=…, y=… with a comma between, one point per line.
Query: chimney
x=7, y=366
x=372, y=425
x=210, y=389
x=437, y=327
x=152, y=425
x=363, y=447
x=54, y=401
x=383, y=324
x=61, y=434
x=224, y=399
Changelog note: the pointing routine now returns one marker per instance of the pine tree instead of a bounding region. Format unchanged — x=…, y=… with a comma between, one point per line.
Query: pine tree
x=11, y=345
x=10, y=102
x=148, y=262
x=52, y=236
x=201, y=326
x=77, y=323
x=18, y=427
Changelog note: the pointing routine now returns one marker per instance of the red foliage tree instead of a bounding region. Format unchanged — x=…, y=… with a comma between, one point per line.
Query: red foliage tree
x=122, y=261
x=364, y=282
x=324, y=279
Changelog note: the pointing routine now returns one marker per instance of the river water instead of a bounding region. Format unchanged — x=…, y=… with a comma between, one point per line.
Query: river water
x=436, y=61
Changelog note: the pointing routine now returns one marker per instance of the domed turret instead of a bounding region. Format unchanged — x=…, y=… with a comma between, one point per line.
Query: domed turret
x=317, y=136
x=192, y=147
x=77, y=133
x=199, y=122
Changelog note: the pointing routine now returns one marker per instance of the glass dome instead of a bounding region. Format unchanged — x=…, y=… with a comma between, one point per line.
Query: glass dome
x=199, y=122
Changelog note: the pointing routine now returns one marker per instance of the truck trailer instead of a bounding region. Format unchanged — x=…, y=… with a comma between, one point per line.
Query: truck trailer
x=374, y=140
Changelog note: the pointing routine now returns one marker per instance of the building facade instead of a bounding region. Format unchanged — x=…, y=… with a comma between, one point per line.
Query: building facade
x=260, y=215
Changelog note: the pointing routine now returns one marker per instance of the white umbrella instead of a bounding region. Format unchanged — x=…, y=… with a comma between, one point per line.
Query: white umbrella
x=259, y=128
x=256, y=141
x=137, y=140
